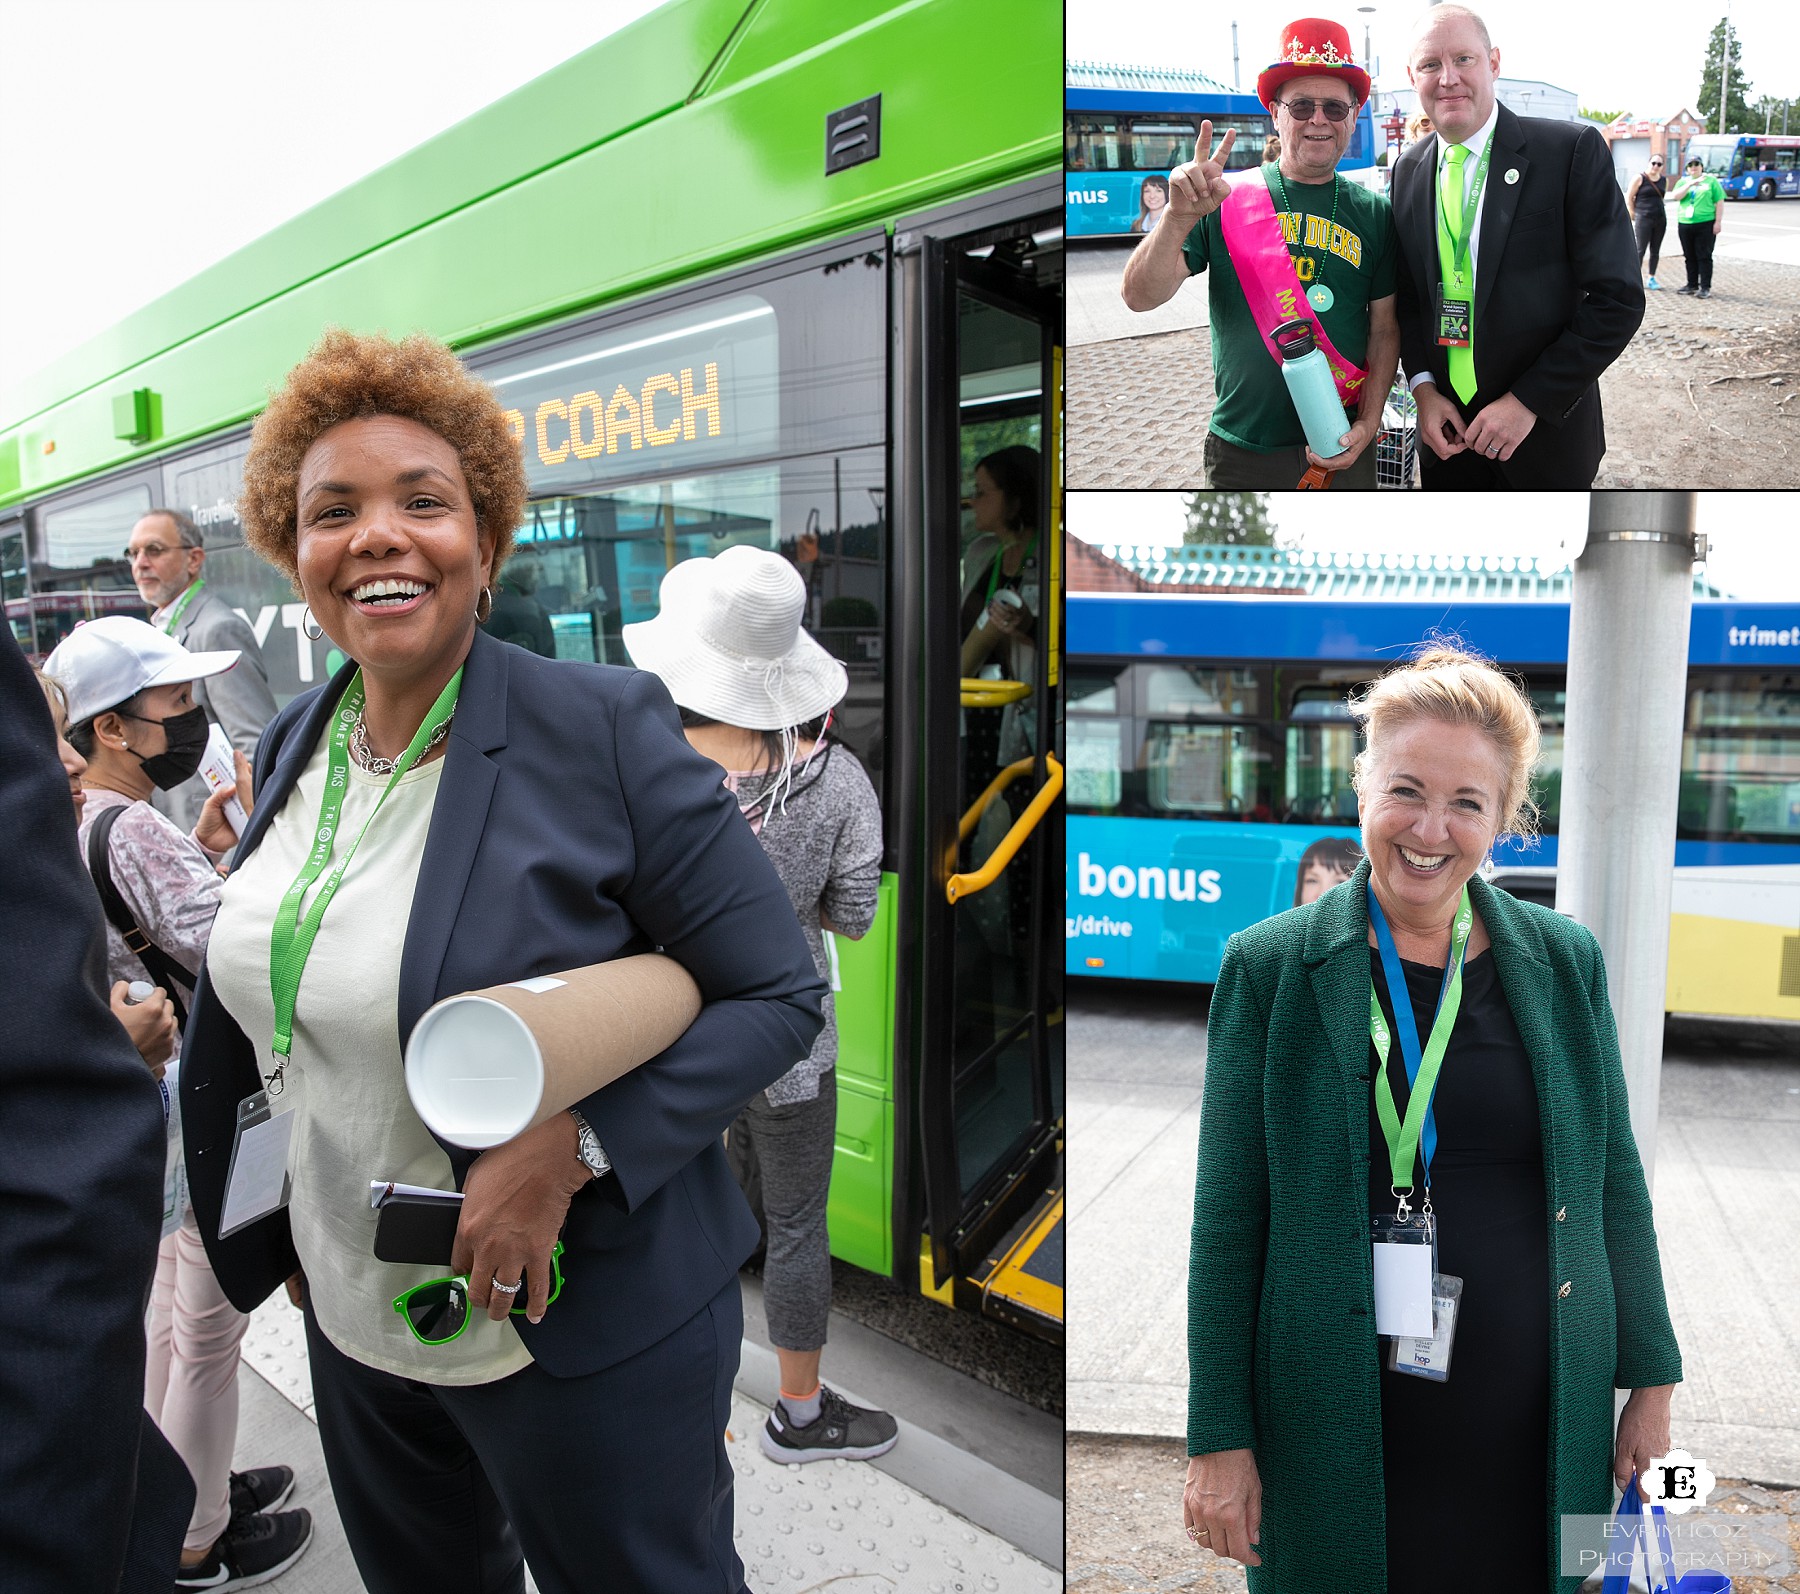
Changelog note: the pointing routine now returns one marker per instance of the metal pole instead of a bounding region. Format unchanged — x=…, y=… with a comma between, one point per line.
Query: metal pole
x=1235, y=83
x=1628, y=647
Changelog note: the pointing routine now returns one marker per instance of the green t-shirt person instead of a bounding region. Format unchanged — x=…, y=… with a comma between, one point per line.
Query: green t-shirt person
x=1700, y=197
x=1353, y=255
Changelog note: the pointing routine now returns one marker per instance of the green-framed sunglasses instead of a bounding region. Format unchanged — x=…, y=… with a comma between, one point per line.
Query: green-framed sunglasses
x=438, y=1310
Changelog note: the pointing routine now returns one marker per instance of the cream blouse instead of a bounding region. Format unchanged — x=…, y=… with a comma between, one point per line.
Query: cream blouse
x=345, y=1074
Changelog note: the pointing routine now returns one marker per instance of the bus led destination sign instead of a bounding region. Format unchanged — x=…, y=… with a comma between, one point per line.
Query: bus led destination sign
x=694, y=389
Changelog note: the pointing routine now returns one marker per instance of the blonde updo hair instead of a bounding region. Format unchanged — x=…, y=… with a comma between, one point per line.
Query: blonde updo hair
x=1444, y=681
x=349, y=376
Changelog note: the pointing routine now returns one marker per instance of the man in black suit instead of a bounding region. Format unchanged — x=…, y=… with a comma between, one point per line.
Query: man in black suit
x=1518, y=280
x=91, y=1494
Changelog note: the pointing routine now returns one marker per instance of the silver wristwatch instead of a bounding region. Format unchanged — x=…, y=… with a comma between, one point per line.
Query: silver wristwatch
x=589, y=1148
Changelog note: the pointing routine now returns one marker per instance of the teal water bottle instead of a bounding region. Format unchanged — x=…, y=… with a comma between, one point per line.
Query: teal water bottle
x=1312, y=388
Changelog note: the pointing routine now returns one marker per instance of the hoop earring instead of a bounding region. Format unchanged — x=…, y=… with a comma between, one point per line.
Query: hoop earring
x=308, y=623
x=480, y=618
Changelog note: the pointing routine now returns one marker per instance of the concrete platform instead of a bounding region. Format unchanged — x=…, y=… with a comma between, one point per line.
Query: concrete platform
x=1727, y=1185
x=1096, y=313
x=935, y=1515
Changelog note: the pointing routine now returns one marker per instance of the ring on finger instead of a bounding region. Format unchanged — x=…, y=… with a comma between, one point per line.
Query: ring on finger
x=508, y=1289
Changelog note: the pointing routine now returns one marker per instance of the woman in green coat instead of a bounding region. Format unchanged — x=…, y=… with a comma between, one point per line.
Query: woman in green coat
x=1319, y=1455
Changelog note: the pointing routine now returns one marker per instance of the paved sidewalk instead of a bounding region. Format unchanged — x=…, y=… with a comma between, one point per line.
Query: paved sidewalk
x=891, y=1526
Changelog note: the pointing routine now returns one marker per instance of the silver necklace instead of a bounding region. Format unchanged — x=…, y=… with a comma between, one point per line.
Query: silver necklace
x=374, y=763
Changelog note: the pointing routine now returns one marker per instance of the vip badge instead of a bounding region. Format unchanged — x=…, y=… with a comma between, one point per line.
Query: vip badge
x=1678, y=1482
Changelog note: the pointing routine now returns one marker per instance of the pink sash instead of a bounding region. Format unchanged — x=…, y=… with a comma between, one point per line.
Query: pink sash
x=1266, y=272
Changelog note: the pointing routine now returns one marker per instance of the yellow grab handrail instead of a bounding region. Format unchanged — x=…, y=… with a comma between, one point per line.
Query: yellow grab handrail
x=966, y=885
x=992, y=694
x=997, y=785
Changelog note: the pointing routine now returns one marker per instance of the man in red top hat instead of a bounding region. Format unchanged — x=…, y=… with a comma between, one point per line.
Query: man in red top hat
x=1289, y=241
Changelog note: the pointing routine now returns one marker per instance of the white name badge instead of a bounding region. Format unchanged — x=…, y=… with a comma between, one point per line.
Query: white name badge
x=1402, y=1288
x=1428, y=1356
x=258, y=1182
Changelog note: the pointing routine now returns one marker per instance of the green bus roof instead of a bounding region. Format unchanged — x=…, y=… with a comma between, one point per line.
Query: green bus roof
x=690, y=141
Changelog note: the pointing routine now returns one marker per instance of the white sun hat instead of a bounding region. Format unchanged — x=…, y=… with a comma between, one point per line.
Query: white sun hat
x=103, y=662
x=727, y=642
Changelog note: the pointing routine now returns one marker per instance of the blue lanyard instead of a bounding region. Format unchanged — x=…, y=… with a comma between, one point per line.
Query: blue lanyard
x=1404, y=1021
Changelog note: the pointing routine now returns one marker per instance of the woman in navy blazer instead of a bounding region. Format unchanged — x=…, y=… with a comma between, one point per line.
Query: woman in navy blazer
x=571, y=824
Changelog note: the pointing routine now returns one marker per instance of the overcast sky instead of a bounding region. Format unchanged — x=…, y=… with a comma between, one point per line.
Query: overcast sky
x=1754, y=553
x=143, y=141
x=1645, y=59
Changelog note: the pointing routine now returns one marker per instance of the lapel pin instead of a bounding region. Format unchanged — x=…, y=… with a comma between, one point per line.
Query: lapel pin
x=1512, y=175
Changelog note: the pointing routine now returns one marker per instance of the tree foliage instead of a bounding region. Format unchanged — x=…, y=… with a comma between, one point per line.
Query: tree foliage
x=1608, y=117
x=1770, y=115
x=1737, y=107
x=1236, y=519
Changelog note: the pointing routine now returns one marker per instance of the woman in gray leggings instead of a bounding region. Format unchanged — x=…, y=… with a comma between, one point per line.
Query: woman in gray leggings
x=756, y=694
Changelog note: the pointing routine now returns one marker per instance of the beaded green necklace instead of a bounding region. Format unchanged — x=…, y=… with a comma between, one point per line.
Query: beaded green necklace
x=1318, y=295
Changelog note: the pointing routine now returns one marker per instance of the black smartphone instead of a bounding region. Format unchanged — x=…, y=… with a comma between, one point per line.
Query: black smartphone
x=418, y=1229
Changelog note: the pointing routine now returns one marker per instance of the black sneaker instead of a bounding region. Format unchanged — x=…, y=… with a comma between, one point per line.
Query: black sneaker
x=252, y=1550
x=1704, y=293
x=840, y=1429
x=260, y=1489
x=1689, y=289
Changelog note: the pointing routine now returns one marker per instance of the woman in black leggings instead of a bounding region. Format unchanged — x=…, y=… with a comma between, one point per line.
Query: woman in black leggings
x=1649, y=220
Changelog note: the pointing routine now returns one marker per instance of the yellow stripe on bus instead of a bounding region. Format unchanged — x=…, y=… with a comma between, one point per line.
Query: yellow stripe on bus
x=1728, y=967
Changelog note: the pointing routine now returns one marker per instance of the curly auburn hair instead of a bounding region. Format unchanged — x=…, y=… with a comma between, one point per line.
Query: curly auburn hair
x=350, y=375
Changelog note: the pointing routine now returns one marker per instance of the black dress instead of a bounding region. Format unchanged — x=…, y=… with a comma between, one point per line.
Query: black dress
x=1483, y=1434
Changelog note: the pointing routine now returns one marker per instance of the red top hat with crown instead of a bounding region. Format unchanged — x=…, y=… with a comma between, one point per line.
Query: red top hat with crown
x=1314, y=47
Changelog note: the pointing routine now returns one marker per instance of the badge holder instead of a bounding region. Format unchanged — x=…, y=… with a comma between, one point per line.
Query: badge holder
x=1453, y=321
x=1405, y=1261
x=258, y=1181
x=1429, y=1357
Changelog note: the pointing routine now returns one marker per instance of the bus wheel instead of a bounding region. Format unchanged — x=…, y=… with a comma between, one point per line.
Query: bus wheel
x=1766, y=190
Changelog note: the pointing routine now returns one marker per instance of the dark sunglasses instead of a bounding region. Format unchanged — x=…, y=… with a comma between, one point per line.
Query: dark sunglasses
x=1656, y=163
x=1302, y=110
x=437, y=1311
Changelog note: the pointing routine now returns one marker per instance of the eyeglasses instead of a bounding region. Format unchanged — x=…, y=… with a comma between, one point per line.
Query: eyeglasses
x=1656, y=163
x=438, y=1311
x=1302, y=110
x=151, y=550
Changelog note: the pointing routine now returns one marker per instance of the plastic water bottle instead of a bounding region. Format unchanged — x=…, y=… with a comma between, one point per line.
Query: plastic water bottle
x=1312, y=388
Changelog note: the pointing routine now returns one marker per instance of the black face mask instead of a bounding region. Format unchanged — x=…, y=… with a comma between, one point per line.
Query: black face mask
x=186, y=734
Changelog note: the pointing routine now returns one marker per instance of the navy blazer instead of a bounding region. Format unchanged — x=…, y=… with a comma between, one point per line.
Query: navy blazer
x=573, y=824
x=1557, y=294
x=91, y=1495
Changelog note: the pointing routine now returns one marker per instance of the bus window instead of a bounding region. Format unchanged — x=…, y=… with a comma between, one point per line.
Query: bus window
x=1178, y=689
x=1317, y=783
x=1222, y=771
x=1096, y=144
x=1096, y=728
x=1740, y=759
x=1551, y=703
x=1162, y=146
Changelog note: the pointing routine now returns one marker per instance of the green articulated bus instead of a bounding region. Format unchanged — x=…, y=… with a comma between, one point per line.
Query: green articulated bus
x=764, y=271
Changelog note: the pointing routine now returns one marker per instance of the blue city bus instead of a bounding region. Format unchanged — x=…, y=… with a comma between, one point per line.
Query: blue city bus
x=1125, y=124
x=1750, y=165
x=1209, y=761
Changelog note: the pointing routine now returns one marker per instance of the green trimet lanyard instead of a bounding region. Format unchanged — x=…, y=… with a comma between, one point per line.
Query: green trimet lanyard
x=181, y=604
x=1403, y=1136
x=1459, y=247
x=994, y=574
x=294, y=935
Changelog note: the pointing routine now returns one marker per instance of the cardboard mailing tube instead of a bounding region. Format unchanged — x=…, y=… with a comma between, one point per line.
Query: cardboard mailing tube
x=487, y=1065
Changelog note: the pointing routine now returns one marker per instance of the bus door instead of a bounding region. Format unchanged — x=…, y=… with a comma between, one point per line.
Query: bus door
x=988, y=1025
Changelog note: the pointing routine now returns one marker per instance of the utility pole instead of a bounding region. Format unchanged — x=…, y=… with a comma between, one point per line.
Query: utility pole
x=1235, y=82
x=1724, y=66
x=1627, y=684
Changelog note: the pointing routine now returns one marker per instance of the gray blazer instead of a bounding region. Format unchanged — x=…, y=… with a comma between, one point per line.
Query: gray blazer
x=240, y=699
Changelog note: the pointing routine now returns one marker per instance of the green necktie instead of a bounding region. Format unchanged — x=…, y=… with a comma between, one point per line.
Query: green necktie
x=1450, y=196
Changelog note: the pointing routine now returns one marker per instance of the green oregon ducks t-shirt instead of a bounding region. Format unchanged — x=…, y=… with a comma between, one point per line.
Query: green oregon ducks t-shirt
x=1701, y=203
x=1354, y=257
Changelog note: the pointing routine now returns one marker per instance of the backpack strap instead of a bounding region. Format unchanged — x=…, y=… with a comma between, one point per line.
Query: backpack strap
x=167, y=973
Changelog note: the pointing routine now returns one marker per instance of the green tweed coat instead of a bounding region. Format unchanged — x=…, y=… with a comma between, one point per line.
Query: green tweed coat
x=1282, y=1350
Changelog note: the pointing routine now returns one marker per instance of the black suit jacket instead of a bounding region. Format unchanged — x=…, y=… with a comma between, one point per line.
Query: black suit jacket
x=573, y=824
x=1557, y=295
x=89, y=1490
